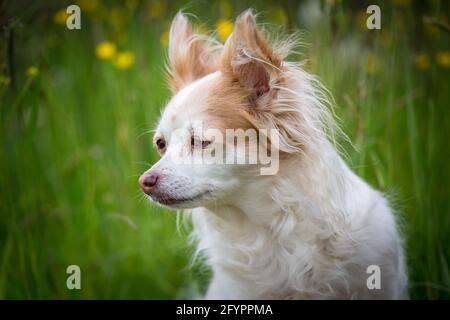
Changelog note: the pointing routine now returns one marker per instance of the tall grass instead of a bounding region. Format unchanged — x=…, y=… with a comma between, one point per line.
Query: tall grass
x=75, y=137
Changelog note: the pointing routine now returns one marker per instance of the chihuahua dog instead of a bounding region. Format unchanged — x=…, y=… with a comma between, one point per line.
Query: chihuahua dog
x=308, y=229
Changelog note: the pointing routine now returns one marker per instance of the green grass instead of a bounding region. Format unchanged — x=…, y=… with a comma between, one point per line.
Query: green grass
x=75, y=138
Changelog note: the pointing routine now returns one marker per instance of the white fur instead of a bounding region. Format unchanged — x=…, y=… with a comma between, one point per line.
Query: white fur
x=310, y=231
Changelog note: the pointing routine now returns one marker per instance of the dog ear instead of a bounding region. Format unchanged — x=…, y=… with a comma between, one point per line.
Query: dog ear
x=191, y=55
x=250, y=58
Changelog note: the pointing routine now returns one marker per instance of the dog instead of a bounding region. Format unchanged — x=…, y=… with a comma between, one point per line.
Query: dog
x=313, y=229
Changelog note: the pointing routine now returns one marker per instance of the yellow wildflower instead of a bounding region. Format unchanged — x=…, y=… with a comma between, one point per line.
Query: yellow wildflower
x=443, y=59
x=224, y=28
x=124, y=60
x=32, y=72
x=422, y=61
x=373, y=64
x=60, y=17
x=105, y=50
x=164, y=39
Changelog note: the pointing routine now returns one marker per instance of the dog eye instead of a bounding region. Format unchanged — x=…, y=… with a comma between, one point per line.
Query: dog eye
x=195, y=141
x=160, y=144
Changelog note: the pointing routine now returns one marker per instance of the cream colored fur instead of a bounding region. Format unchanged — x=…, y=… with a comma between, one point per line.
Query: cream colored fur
x=308, y=232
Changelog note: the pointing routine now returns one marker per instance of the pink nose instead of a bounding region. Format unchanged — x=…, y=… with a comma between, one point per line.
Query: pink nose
x=148, y=181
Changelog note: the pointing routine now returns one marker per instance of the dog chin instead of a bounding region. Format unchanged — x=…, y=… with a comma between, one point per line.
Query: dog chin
x=190, y=202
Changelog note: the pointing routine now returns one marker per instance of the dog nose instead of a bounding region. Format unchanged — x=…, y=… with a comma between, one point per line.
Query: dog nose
x=148, y=181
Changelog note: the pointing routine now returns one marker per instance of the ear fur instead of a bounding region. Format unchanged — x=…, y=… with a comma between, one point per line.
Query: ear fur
x=250, y=58
x=191, y=55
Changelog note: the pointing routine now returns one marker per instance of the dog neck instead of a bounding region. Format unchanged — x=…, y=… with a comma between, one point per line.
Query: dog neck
x=249, y=204
x=305, y=187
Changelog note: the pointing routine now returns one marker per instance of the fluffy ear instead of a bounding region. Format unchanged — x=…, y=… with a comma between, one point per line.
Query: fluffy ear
x=250, y=58
x=191, y=56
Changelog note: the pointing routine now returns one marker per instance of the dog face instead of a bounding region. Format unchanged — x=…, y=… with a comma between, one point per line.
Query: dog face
x=181, y=178
x=215, y=89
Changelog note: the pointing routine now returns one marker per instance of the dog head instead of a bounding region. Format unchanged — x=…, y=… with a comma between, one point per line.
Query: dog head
x=219, y=94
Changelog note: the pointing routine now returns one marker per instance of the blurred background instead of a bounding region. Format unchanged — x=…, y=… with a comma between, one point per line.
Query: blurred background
x=77, y=106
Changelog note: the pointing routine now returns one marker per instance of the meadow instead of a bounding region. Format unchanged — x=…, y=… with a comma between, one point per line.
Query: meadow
x=77, y=108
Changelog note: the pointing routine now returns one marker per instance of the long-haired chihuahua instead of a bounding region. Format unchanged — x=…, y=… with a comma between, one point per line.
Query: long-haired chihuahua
x=247, y=147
